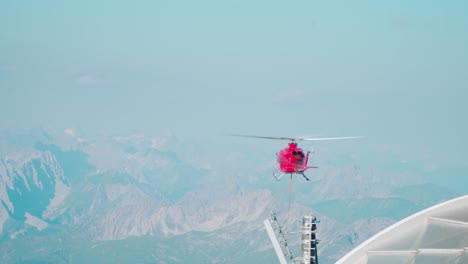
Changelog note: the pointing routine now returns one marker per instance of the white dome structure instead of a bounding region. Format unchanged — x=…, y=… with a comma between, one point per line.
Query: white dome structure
x=438, y=234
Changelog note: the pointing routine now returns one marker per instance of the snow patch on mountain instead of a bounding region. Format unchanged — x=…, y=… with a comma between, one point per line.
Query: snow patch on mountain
x=5, y=180
x=17, y=233
x=61, y=192
x=3, y=217
x=35, y=221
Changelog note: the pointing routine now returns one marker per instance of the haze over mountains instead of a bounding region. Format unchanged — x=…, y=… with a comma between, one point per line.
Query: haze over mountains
x=67, y=198
x=87, y=188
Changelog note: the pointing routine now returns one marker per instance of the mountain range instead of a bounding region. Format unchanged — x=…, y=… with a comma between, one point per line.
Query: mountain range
x=68, y=198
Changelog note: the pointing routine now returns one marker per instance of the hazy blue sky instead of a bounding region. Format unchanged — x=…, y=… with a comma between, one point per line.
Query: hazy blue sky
x=395, y=71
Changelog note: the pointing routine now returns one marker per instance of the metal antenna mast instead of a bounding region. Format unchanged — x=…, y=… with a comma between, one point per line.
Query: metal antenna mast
x=282, y=238
x=309, y=240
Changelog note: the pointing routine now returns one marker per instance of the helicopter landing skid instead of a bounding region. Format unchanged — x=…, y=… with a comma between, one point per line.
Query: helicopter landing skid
x=278, y=178
x=275, y=174
x=302, y=173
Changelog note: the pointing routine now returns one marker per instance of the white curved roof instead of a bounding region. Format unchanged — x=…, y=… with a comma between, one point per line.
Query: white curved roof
x=436, y=235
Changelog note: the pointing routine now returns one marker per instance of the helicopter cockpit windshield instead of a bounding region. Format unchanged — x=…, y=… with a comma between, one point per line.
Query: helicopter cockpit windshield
x=298, y=157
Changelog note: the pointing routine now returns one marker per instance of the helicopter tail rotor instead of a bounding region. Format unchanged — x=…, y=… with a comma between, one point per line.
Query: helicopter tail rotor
x=312, y=150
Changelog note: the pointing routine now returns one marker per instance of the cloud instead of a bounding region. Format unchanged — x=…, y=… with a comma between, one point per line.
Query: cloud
x=87, y=79
x=70, y=131
x=90, y=79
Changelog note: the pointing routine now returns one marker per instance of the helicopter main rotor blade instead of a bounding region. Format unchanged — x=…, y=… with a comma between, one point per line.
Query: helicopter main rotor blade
x=320, y=139
x=277, y=138
x=293, y=138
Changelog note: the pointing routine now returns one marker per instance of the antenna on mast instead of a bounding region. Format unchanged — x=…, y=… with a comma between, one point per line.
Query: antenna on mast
x=309, y=240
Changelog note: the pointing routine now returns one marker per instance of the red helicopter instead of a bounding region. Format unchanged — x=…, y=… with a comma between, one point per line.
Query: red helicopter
x=292, y=160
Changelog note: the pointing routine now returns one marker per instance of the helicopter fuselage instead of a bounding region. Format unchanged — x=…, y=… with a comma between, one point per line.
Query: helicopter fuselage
x=292, y=159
